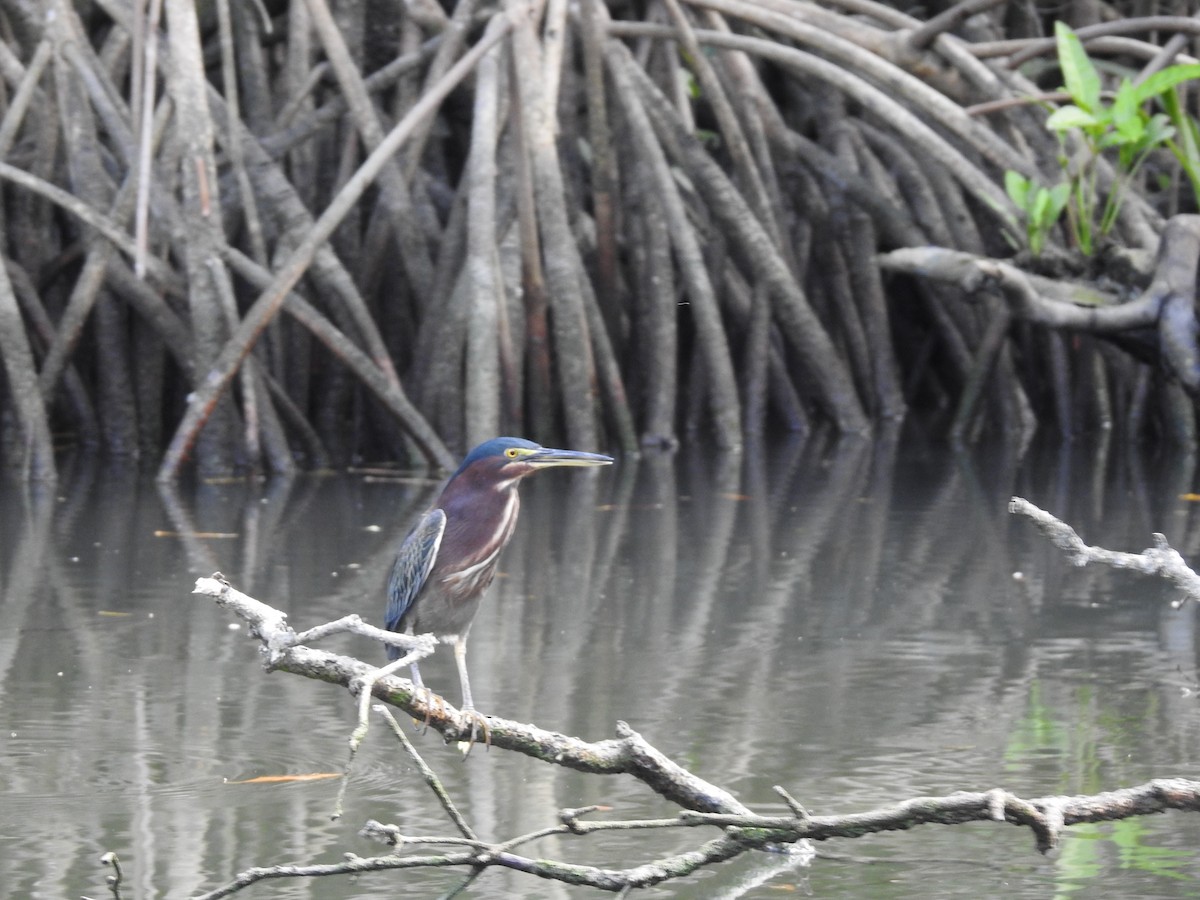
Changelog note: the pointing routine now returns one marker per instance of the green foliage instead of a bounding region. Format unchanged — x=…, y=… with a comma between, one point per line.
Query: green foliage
x=1123, y=126
x=1186, y=145
x=1082, y=79
x=1041, y=206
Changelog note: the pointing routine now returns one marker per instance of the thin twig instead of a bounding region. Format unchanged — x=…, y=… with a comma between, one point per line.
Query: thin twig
x=431, y=778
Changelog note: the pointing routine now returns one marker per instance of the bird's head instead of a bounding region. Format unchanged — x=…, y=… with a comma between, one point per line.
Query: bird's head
x=503, y=461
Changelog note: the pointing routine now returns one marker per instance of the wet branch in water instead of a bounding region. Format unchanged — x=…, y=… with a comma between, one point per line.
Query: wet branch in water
x=703, y=804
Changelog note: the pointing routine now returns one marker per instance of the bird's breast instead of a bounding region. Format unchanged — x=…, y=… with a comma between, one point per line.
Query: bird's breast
x=470, y=551
x=475, y=577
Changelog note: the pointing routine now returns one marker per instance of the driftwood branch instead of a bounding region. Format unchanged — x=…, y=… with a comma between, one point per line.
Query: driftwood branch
x=704, y=805
x=1161, y=559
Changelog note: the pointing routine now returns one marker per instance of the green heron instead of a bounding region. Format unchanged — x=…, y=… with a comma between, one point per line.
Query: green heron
x=449, y=558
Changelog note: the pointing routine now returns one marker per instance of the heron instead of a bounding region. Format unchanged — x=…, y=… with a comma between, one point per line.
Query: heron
x=449, y=559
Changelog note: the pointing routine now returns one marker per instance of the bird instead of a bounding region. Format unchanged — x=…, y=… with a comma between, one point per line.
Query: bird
x=448, y=560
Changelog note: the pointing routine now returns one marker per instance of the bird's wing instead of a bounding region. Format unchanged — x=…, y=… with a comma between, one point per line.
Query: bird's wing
x=413, y=564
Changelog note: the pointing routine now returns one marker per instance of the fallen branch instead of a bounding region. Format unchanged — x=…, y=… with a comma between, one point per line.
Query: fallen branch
x=704, y=804
x=1161, y=559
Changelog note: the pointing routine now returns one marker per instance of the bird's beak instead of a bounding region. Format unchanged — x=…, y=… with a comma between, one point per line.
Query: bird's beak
x=545, y=457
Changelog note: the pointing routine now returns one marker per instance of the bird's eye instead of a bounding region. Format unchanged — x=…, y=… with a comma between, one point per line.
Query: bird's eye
x=511, y=452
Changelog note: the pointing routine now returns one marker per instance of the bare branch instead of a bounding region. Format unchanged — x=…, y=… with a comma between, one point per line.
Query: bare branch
x=270, y=626
x=1045, y=816
x=1161, y=559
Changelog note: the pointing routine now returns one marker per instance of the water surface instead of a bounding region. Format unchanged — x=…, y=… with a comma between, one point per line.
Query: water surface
x=861, y=623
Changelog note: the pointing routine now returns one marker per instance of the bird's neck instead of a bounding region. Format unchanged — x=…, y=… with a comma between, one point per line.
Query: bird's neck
x=478, y=523
x=460, y=499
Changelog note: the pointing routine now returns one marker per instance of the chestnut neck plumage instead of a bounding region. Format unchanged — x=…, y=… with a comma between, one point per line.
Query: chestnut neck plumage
x=480, y=517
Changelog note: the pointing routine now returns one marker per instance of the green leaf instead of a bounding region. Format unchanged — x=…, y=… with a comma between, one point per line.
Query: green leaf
x=1080, y=76
x=1184, y=125
x=1083, y=221
x=1126, y=112
x=1071, y=117
x=1187, y=150
x=1041, y=209
x=1048, y=206
x=1159, y=130
x=1059, y=195
x=1114, y=139
x=1189, y=157
x=1016, y=186
x=1165, y=80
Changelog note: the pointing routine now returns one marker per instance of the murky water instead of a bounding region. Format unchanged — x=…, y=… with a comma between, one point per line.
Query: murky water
x=839, y=618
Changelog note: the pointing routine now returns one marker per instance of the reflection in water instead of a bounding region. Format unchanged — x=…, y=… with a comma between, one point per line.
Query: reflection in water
x=836, y=616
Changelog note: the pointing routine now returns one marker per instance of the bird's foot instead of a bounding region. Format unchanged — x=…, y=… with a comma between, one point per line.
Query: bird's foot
x=430, y=700
x=477, y=720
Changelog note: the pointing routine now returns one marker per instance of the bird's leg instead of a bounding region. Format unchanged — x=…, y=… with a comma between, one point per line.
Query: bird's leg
x=420, y=686
x=416, y=677
x=430, y=697
x=468, y=704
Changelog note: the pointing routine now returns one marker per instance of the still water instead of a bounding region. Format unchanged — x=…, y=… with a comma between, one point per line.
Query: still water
x=841, y=618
